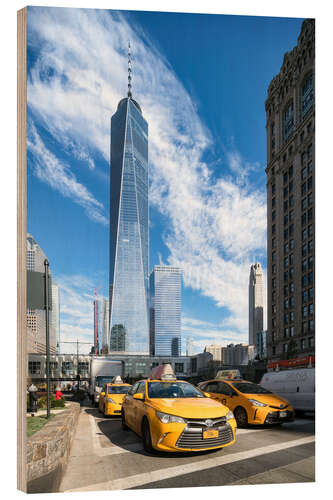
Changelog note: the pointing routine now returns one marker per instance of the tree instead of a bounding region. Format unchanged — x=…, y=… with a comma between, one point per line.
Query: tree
x=292, y=349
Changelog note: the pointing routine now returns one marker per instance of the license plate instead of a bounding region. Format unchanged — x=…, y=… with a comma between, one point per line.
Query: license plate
x=283, y=414
x=210, y=433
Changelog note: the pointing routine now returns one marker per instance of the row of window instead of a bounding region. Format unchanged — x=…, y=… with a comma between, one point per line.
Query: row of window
x=308, y=232
x=307, y=279
x=307, y=170
x=307, y=202
x=304, y=344
x=307, y=264
x=67, y=366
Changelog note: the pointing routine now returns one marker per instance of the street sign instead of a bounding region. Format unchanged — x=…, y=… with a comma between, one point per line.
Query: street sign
x=36, y=290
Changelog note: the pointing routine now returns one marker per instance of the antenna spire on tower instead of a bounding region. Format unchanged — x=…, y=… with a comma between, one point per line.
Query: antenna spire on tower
x=129, y=93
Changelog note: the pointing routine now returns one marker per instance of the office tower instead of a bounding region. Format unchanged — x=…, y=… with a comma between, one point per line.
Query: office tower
x=55, y=316
x=189, y=346
x=129, y=225
x=239, y=354
x=36, y=326
x=290, y=112
x=215, y=350
x=256, y=302
x=105, y=330
x=165, y=309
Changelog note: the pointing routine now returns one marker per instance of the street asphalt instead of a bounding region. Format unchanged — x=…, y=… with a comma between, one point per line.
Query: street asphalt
x=104, y=457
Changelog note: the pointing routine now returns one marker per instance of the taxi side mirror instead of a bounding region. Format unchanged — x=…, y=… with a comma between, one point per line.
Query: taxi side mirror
x=207, y=394
x=102, y=394
x=139, y=395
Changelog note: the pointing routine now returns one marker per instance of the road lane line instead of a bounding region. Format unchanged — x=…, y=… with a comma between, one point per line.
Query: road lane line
x=159, y=475
x=113, y=449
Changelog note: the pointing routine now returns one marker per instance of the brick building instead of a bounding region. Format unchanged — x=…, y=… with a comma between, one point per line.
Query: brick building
x=290, y=111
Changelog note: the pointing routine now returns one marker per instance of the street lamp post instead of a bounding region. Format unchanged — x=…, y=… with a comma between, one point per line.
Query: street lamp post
x=47, y=325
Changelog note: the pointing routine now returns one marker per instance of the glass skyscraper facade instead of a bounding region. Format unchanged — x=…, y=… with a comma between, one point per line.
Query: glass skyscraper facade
x=165, y=311
x=129, y=230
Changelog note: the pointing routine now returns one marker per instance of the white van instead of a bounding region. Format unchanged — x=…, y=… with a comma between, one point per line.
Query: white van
x=296, y=386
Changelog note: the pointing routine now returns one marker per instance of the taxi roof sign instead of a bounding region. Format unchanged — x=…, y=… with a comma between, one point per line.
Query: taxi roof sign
x=117, y=380
x=228, y=374
x=163, y=372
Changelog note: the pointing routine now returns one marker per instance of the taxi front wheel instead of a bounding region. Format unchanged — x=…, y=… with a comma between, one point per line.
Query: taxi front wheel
x=241, y=416
x=147, y=444
x=124, y=426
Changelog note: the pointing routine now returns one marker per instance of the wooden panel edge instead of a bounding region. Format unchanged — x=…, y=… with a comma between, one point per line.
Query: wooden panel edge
x=21, y=244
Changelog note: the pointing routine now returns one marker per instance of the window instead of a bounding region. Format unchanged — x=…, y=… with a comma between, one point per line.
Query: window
x=291, y=186
x=307, y=95
x=273, y=296
x=68, y=367
x=274, y=283
x=291, y=215
x=303, y=159
x=179, y=367
x=305, y=311
x=291, y=201
x=273, y=229
x=288, y=120
x=285, y=205
x=304, y=250
x=304, y=173
x=302, y=136
x=286, y=332
x=292, y=331
x=274, y=268
x=291, y=171
x=310, y=262
x=310, y=214
x=310, y=199
x=286, y=304
x=273, y=202
x=310, y=230
x=273, y=215
x=310, y=278
x=310, y=309
x=285, y=347
x=291, y=287
x=286, y=276
x=273, y=350
x=304, y=234
x=291, y=243
x=286, y=247
x=304, y=189
x=304, y=327
x=304, y=203
x=286, y=319
x=285, y=220
x=310, y=151
x=285, y=290
x=311, y=325
x=285, y=191
x=273, y=188
x=291, y=302
x=291, y=230
x=311, y=341
x=285, y=234
x=310, y=183
x=291, y=316
x=291, y=259
x=304, y=280
x=273, y=256
x=310, y=167
x=309, y=128
x=310, y=246
x=303, y=219
x=34, y=367
x=286, y=262
x=273, y=242
x=303, y=344
x=285, y=178
x=310, y=293
x=304, y=296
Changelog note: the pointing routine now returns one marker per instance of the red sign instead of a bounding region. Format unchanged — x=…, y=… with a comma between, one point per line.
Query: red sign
x=291, y=363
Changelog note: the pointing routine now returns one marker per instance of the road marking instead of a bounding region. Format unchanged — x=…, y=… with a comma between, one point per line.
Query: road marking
x=158, y=475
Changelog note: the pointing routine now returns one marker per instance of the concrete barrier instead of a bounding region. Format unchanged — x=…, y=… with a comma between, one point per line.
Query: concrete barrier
x=48, y=451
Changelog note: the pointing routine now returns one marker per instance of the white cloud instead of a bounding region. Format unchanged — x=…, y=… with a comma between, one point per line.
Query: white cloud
x=216, y=224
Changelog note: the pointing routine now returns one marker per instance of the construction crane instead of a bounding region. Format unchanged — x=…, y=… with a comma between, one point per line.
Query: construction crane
x=96, y=319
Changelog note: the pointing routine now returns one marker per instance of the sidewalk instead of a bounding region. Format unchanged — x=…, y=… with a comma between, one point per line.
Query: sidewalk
x=44, y=412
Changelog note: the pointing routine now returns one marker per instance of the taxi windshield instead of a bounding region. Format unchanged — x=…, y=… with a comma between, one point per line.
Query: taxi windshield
x=171, y=390
x=249, y=388
x=122, y=389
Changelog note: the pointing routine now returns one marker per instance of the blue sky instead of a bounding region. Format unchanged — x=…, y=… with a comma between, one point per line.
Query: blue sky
x=201, y=81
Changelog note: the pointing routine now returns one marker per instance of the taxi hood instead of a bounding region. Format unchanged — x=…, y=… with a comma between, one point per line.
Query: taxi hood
x=190, y=407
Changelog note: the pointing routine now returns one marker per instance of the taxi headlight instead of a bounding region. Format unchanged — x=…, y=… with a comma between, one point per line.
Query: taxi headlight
x=165, y=418
x=256, y=403
x=109, y=400
x=229, y=415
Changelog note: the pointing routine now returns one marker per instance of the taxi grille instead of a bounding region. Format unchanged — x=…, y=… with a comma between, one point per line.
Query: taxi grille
x=199, y=423
x=192, y=438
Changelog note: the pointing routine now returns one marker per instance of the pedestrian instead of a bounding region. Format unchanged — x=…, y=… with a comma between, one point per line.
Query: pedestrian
x=33, y=399
x=58, y=393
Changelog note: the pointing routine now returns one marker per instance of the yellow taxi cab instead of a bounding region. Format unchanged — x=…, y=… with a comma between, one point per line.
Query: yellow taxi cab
x=173, y=415
x=249, y=402
x=112, y=396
